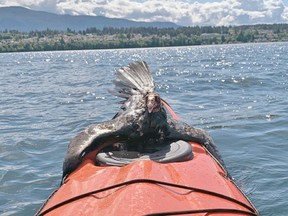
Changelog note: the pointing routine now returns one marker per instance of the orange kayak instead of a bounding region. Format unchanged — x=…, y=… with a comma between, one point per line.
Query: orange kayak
x=160, y=183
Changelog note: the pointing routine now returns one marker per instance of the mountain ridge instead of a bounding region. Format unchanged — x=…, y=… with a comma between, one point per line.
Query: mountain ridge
x=24, y=19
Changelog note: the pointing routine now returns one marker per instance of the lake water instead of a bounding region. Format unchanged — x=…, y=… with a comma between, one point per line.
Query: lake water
x=236, y=92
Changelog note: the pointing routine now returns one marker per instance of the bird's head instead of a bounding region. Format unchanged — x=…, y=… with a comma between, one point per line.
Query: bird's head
x=153, y=102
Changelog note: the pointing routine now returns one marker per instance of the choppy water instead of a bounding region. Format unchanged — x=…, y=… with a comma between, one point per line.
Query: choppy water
x=236, y=92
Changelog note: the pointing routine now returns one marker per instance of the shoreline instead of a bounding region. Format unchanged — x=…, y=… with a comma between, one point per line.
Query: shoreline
x=111, y=38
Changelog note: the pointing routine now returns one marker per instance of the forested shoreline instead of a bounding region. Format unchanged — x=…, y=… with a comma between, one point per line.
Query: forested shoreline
x=113, y=38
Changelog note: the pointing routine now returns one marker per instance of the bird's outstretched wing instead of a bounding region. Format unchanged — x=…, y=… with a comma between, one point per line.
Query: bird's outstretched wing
x=180, y=130
x=92, y=138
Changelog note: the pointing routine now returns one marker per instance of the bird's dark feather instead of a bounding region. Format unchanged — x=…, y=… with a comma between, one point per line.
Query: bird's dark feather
x=92, y=138
x=179, y=130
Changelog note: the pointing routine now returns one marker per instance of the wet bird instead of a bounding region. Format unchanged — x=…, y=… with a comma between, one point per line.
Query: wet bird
x=142, y=116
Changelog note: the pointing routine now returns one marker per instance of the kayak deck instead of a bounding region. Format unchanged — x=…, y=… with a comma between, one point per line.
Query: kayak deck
x=199, y=186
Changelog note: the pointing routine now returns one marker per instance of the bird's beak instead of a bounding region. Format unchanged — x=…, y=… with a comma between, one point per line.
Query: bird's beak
x=150, y=110
x=150, y=107
x=153, y=103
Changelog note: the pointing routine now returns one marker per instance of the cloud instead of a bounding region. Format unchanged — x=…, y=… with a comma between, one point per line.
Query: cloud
x=225, y=12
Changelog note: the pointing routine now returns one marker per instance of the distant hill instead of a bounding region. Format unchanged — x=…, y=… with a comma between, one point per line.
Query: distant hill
x=23, y=19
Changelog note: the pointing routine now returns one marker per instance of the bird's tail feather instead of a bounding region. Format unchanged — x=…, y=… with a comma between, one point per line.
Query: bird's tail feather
x=133, y=79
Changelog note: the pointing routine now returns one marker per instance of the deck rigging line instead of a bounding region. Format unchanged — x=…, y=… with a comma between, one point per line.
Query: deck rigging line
x=250, y=210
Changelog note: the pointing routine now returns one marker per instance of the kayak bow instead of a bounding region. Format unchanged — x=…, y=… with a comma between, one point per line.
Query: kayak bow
x=179, y=179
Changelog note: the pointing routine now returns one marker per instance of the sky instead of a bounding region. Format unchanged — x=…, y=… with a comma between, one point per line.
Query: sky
x=181, y=12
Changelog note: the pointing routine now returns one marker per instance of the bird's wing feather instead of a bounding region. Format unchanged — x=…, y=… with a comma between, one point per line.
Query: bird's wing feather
x=180, y=130
x=92, y=138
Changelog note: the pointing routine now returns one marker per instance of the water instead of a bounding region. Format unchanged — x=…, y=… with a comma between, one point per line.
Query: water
x=236, y=92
